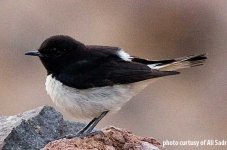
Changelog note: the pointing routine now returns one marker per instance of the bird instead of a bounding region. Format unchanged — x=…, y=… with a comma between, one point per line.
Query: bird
x=89, y=81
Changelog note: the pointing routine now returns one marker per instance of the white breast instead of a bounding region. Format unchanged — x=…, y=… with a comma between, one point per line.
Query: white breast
x=90, y=103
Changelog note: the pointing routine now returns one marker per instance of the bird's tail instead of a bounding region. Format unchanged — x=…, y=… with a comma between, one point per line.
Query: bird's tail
x=179, y=63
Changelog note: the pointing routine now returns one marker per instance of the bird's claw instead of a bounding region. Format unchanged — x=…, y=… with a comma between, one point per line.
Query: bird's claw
x=80, y=135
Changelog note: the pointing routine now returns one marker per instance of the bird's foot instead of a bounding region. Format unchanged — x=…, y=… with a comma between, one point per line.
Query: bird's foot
x=88, y=134
x=80, y=135
x=68, y=136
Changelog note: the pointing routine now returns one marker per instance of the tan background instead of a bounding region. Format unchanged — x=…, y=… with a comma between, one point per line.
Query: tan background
x=190, y=106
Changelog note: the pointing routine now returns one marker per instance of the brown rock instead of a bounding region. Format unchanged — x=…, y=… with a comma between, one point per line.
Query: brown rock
x=109, y=139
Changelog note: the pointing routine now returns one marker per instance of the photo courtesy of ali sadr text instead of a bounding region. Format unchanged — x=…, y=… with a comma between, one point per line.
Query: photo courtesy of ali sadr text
x=195, y=143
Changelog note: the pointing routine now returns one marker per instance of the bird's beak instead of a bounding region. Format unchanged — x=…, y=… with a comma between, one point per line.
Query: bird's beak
x=34, y=53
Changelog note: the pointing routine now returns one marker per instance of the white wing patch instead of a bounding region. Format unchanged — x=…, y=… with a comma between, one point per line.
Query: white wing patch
x=123, y=55
x=154, y=66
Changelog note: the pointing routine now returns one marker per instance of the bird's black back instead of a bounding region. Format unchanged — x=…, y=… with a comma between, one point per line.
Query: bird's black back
x=103, y=67
x=87, y=66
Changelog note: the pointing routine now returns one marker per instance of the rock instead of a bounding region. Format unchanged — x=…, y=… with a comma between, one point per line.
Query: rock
x=44, y=126
x=110, y=138
x=32, y=130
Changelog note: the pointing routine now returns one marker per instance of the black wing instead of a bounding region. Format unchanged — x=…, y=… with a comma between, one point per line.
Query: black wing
x=106, y=69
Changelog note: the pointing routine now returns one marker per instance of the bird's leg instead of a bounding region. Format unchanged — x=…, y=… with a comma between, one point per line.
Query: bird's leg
x=82, y=132
x=91, y=125
x=89, y=130
x=86, y=127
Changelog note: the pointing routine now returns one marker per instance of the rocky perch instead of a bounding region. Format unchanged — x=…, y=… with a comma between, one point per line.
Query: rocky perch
x=40, y=128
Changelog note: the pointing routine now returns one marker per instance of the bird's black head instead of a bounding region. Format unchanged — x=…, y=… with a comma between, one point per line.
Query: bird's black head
x=58, y=51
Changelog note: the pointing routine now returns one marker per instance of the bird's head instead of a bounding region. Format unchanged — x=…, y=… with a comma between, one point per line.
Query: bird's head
x=58, y=51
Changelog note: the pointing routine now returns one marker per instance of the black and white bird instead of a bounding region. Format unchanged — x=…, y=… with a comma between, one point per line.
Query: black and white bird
x=88, y=81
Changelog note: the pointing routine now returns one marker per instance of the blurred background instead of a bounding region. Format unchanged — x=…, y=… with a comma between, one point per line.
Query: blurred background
x=190, y=106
